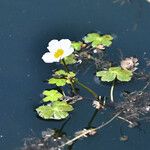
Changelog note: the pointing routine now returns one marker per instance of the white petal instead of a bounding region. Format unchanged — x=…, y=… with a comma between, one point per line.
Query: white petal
x=49, y=58
x=68, y=51
x=65, y=43
x=53, y=45
x=53, y=42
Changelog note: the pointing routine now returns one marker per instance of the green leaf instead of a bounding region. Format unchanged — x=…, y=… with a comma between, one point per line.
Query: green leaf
x=96, y=42
x=45, y=112
x=71, y=74
x=61, y=106
x=124, y=75
x=52, y=95
x=71, y=59
x=106, y=43
x=96, y=39
x=91, y=37
x=107, y=37
x=60, y=115
x=58, y=82
x=57, y=110
x=62, y=78
x=106, y=76
x=61, y=72
x=115, y=73
x=70, y=77
x=77, y=45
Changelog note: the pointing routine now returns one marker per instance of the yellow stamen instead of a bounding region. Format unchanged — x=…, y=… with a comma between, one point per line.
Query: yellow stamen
x=59, y=53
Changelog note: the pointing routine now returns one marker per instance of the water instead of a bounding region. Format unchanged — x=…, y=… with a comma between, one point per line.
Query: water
x=25, y=29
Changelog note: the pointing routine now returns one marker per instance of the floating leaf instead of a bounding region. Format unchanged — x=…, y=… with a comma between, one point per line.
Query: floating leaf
x=77, y=45
x=115, y=72
x=71, y=59
x=61, y=109
x=61, y=72
x=57, y=81
x=70, y=77
x=62, y=78
x=122, y=75
x=71, y=74
x=45, y=112
x=96, y=39
x=106, y=76
x=57, y=110
x=106, y=40
x=52, y=95
x=91, y=37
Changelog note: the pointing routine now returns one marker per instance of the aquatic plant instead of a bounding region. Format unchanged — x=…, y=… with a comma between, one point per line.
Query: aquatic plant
x=66, y=52
x=112, y=74
x=59, y=101
x=57, y=50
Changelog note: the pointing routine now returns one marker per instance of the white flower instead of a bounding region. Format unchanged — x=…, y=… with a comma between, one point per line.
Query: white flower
x=57, y=50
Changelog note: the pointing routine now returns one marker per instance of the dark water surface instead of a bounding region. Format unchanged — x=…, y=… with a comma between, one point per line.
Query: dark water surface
x=26, y=26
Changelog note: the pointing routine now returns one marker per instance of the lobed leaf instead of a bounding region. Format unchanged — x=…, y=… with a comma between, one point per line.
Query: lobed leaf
x=77, y=45
x=96, y=39
x=115, y=73
x=45, y=112
x=52, y=95
x=57, y=110
x=58, y=82
x=71, y=59
x=61, y=72
x=91, y=37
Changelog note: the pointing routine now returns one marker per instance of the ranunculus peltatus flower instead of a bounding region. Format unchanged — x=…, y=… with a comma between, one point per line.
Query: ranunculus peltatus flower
x=57, y=50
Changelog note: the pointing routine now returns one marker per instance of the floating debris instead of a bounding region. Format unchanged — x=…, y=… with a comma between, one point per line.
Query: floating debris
x=102, y=64
x=92, y=132
x=99, y=104
x=129, y=64
x=73, y=99
x=124, y=138
x=49, y=141
x=134, y=107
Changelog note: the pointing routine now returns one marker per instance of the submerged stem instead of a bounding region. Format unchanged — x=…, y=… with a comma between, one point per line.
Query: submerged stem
x=92, y=118
x=112, y=92
x=87, y=88
x=124, y=119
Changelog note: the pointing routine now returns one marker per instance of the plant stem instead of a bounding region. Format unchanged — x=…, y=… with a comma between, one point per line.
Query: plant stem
x=124, y=119
x=112, y=92
x=73, y=88
x=92, y=118
x=66, y=67
x=79, y=83
x=63, y=125
x=87, y=88
x=67, y=70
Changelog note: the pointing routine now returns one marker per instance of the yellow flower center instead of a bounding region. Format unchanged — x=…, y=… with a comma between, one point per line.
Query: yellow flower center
x=59, y=53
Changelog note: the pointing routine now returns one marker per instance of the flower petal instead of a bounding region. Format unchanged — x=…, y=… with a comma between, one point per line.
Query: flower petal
x=53, y=45
x=68, y=51
x=49, y=58
x=65, y=43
